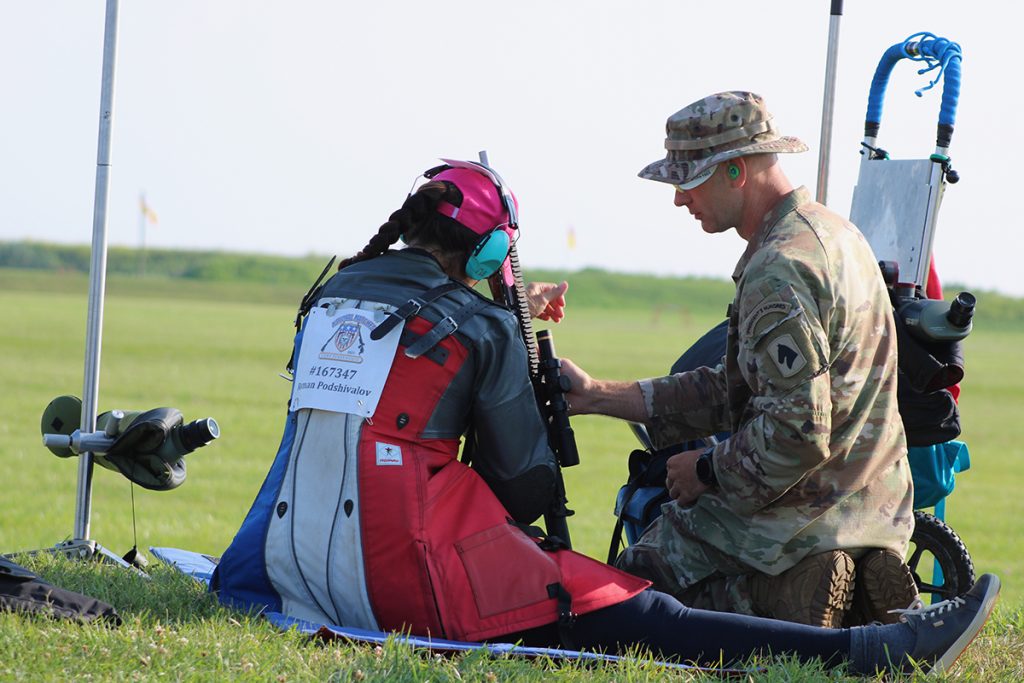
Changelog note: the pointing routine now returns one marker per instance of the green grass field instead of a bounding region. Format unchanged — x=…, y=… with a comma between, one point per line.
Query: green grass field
x=215, y=349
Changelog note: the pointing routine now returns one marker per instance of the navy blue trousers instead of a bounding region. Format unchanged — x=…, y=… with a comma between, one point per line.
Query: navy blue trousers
x=671, y=630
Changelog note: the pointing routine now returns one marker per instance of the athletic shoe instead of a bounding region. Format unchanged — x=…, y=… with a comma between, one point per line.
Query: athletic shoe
x=816, y=591
x=884, y=584
x=945, y=629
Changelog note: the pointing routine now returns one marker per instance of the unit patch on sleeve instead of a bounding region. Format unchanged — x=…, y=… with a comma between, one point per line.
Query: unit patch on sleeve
x=787, y=356
x=772, y=305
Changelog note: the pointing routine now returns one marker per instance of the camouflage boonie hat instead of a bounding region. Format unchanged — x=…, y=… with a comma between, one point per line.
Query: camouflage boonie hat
x=719, y=127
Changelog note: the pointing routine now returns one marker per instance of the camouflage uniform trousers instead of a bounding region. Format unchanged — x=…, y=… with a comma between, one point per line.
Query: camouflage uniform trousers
x=695, y=573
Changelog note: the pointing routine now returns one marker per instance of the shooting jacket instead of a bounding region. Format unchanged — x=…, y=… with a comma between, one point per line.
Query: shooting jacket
x=817, y=456
x=374, y=522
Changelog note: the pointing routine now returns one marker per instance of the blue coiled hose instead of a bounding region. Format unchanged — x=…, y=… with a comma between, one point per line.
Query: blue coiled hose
x=936, y=53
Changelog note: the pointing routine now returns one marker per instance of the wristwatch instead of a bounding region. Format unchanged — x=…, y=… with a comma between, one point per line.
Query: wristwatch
x=705, y=469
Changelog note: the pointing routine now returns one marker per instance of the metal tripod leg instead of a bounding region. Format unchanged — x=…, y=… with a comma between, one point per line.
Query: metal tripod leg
x=89, y=550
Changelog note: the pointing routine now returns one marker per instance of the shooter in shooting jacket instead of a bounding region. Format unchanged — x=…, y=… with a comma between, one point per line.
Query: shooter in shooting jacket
x=814, y=476
x=368, y=518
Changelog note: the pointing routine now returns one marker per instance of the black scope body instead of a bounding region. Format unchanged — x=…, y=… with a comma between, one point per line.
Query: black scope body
x=932, y=320
x=563, y=440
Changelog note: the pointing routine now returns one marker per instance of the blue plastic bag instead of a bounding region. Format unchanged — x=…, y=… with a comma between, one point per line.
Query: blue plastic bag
x=933, y=469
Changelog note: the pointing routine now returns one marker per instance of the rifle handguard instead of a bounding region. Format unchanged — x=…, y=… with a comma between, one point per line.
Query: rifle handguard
x=556, y=386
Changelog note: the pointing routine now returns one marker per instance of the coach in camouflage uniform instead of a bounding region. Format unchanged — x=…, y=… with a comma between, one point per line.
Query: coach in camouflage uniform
x=814, y=476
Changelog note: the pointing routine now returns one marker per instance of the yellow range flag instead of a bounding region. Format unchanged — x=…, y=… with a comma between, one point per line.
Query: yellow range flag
x=148, y=213
x=571, y=237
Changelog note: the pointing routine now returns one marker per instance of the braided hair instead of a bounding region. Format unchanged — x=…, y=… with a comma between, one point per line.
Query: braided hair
x=418, y=222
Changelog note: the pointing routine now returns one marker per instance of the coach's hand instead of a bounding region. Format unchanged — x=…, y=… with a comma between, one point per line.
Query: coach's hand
x=681, y=477
x=547, y=300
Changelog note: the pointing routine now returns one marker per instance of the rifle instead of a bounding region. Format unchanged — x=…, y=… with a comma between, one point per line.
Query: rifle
x=549, y=385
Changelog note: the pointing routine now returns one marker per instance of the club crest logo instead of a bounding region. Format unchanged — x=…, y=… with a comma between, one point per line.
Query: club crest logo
x=347, y=334
x=347, y=340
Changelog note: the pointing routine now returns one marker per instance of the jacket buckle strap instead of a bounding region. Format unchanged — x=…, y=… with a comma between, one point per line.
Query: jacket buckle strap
x=445, y=328
x=545, y=541
x=403, y=312
x=438, y=354
x=410, y=308
x=566, y=617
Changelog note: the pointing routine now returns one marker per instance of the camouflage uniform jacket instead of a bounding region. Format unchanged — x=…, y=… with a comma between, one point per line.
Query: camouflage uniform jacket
x=816, y=460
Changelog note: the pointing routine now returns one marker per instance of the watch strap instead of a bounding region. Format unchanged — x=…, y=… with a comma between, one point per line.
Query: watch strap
x=705, y=467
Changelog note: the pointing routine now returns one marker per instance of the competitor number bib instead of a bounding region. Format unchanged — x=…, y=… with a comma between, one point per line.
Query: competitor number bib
x=340, y=368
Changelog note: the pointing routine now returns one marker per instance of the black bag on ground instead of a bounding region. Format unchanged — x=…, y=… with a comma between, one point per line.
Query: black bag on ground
x=24, y=591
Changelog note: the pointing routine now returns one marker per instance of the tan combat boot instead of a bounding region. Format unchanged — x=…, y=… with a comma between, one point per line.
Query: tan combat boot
x=816, y=591
x=884, y=584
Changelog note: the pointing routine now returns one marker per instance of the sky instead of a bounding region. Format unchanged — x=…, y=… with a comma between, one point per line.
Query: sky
x=297, y=128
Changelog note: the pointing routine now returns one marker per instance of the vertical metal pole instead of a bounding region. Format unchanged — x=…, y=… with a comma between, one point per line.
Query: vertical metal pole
x=97, y=273
x=827, y=107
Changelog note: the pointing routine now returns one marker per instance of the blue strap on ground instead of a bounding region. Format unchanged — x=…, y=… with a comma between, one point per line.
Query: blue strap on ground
x=200, y=567
x=440, y=645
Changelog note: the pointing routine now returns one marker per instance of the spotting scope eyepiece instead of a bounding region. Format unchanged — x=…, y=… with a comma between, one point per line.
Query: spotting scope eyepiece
x=961, y=310
x=197, y=433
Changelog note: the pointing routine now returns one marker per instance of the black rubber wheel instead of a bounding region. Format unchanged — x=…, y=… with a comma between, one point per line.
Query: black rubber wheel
x=934, y=541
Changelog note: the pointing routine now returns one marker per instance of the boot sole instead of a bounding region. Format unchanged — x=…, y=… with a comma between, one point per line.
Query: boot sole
x=883, y=583
x=826, y=605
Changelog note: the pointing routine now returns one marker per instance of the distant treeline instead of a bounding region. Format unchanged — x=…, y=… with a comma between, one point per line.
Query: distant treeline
x=169, y=272
x=211, y=266
x=589, y=287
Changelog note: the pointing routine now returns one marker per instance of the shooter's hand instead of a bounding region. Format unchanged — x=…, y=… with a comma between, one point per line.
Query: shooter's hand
x=546, y=300
x=681, y=477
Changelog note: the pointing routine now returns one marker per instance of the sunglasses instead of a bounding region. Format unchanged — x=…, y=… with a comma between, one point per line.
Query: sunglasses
x=697, y=180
